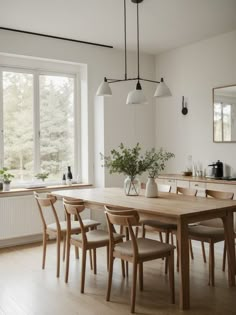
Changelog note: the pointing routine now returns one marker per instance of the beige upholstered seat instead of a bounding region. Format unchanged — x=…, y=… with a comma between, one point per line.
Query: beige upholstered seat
x=147, y=248
x=135, y=251
x=215, y=233
x=57, y=229
x=95, y=237
x=210, y=231
x=74, y=225
x=87, y=240
x=158, y=224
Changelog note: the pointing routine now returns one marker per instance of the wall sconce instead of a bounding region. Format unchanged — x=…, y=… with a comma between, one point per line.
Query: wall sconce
x=184, y=107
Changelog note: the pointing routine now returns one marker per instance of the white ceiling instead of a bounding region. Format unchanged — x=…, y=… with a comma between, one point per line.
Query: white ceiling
x=164, y=24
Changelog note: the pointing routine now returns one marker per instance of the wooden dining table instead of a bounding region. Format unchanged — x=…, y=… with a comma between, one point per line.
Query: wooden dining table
x=172, y=208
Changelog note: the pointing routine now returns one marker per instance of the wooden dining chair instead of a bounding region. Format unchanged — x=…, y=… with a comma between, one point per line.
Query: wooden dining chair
x=210, y=231
x=167, y=228
x=157, y=225
x=135, y=251
x=86, y=240
x=123, y=230
x=58, y=228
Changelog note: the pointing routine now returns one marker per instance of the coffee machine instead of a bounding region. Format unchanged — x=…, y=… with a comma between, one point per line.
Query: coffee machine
x=217, y=169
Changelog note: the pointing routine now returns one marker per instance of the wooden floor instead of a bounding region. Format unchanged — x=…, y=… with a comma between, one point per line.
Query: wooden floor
x=26, y=289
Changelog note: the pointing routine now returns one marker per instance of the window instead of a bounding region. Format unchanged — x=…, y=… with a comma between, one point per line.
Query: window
x=222, y=121
x=38, y=123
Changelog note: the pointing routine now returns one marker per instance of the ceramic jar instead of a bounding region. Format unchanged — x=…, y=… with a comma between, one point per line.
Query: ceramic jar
x=151, y=188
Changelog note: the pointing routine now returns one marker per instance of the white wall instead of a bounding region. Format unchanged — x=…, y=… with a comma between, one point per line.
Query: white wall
x=109, y=122
x=193, y=71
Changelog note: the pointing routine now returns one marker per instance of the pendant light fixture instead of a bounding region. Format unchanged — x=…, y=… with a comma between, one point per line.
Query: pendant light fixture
x=135, y=96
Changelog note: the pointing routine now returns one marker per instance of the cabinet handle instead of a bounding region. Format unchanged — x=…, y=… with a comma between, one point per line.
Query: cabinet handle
x=196, y=185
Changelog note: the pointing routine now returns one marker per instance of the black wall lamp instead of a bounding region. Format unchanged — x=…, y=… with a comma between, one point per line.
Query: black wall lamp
x=184, y=106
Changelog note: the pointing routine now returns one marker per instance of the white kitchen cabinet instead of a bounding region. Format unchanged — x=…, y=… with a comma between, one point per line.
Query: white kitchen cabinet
x=200, y=186
x=167, y=181
x=182, y=183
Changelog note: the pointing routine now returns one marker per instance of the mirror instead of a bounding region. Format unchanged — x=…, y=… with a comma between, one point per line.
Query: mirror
x=224, y=113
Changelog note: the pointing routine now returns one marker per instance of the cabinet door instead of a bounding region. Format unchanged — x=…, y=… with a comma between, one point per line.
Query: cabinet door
x=200, y=186
x=167, y=181
x=182, y=183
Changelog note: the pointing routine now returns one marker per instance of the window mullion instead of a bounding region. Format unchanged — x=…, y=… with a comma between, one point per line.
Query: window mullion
x=36, y=119
x=76, y=127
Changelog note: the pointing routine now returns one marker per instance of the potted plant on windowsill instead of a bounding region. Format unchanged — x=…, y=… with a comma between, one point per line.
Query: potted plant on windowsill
x=158, y=162
x=42, y=176
x=6, y=178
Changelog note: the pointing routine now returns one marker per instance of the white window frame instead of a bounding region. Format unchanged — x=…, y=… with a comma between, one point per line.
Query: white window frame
x=36, y=114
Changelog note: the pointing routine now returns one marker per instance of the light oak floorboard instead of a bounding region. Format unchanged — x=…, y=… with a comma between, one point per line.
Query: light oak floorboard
x=26, y=289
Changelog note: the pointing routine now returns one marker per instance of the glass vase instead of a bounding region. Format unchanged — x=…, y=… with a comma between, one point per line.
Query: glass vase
x=132, y=186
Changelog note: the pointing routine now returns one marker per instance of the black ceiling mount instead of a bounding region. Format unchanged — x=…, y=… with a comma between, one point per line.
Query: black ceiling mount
x=137, y=1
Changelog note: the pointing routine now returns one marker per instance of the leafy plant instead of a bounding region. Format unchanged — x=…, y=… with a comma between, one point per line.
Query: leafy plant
x=5, y=176
x=130, y=161
x=159, y=159
x=42, y=175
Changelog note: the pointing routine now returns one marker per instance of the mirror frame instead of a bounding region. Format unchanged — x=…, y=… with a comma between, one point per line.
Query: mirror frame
x=213, y=102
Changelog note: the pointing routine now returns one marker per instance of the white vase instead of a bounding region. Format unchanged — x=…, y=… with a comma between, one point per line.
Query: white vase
x=6, y=186
x=151, y=188
x=132, y=186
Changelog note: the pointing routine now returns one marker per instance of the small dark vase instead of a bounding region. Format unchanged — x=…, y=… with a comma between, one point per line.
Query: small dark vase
x=1, y=186
x=69, y=175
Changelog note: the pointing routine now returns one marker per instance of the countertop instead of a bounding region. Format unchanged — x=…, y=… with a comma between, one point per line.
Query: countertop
x=197, y=179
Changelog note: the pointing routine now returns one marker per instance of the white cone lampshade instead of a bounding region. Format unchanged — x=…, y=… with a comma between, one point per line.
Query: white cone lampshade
x=136, y=96
x=162, y=90
x=104, y=89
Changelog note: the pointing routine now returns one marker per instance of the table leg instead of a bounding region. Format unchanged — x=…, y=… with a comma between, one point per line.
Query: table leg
x=184, y=286
x=229, y=240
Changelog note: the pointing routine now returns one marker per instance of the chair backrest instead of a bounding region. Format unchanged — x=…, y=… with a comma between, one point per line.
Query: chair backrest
x=117, y=208
x=46, y=202
x=125, y=218
x=73, y=201
x=221, y=195
x=186, y=191
x=74, y=208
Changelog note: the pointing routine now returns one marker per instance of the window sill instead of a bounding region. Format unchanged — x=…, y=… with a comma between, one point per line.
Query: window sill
x=28, y=191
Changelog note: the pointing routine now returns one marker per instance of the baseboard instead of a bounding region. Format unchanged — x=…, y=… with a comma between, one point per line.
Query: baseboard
x=20, y=240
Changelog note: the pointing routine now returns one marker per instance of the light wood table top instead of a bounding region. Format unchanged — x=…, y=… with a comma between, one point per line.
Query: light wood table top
x=168, y=205
x=173, y=208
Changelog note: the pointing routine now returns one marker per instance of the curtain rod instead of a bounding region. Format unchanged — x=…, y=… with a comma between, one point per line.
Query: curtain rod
x=55, y=37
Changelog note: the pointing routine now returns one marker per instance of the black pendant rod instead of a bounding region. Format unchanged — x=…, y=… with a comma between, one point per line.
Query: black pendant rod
x=109, y=80
x=125, y=39
x=55, y=37
x=130, y=79
x=138, y=38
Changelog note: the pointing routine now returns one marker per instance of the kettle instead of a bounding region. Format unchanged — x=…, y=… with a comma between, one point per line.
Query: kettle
x=217, y=169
